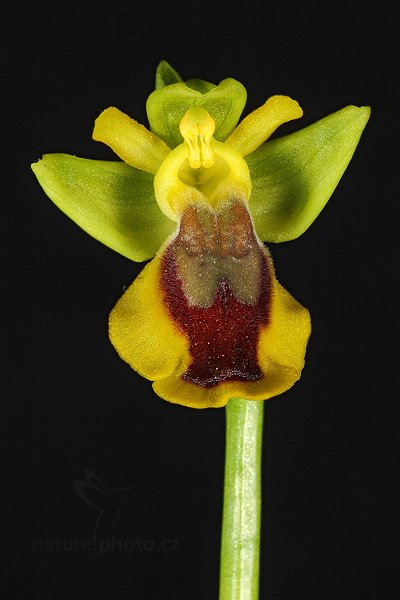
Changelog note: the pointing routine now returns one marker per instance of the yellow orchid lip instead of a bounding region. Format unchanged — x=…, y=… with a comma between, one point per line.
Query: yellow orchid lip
x=207, y=320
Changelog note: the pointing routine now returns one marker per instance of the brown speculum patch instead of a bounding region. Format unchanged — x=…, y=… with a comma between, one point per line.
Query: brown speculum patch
x=216, y=280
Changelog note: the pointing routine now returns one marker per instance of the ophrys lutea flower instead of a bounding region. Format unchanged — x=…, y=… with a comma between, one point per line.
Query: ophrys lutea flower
x=206, y=320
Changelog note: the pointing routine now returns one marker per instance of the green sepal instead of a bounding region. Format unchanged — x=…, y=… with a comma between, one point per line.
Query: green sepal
x=167, y=105
x=111, y=201
x=294, y=176
x=166, y=75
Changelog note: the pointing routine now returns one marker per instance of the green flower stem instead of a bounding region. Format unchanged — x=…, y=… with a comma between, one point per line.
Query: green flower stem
x=240, y=549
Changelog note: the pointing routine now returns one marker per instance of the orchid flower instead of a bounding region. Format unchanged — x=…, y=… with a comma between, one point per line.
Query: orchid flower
x=199, y=194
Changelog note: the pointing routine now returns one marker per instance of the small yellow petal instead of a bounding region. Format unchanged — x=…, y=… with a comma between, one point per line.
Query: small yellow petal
x=262, y=122
x=130, y=140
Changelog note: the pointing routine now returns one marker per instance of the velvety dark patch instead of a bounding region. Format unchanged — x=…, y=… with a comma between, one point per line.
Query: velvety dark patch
x=223, y=336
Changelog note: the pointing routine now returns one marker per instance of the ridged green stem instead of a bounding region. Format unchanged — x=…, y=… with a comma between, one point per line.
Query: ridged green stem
x=240, y=549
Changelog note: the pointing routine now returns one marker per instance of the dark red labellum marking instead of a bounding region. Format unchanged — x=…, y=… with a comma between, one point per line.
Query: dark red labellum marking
x=222, y=320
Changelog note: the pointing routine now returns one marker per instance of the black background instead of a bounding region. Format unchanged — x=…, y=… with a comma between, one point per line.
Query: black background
x=331, y=450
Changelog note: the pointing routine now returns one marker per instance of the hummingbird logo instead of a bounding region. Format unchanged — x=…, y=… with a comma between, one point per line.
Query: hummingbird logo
x=107, y=502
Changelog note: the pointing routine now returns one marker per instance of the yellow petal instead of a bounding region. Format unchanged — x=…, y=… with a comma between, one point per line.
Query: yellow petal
x=130, y=140
x=262, y=122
